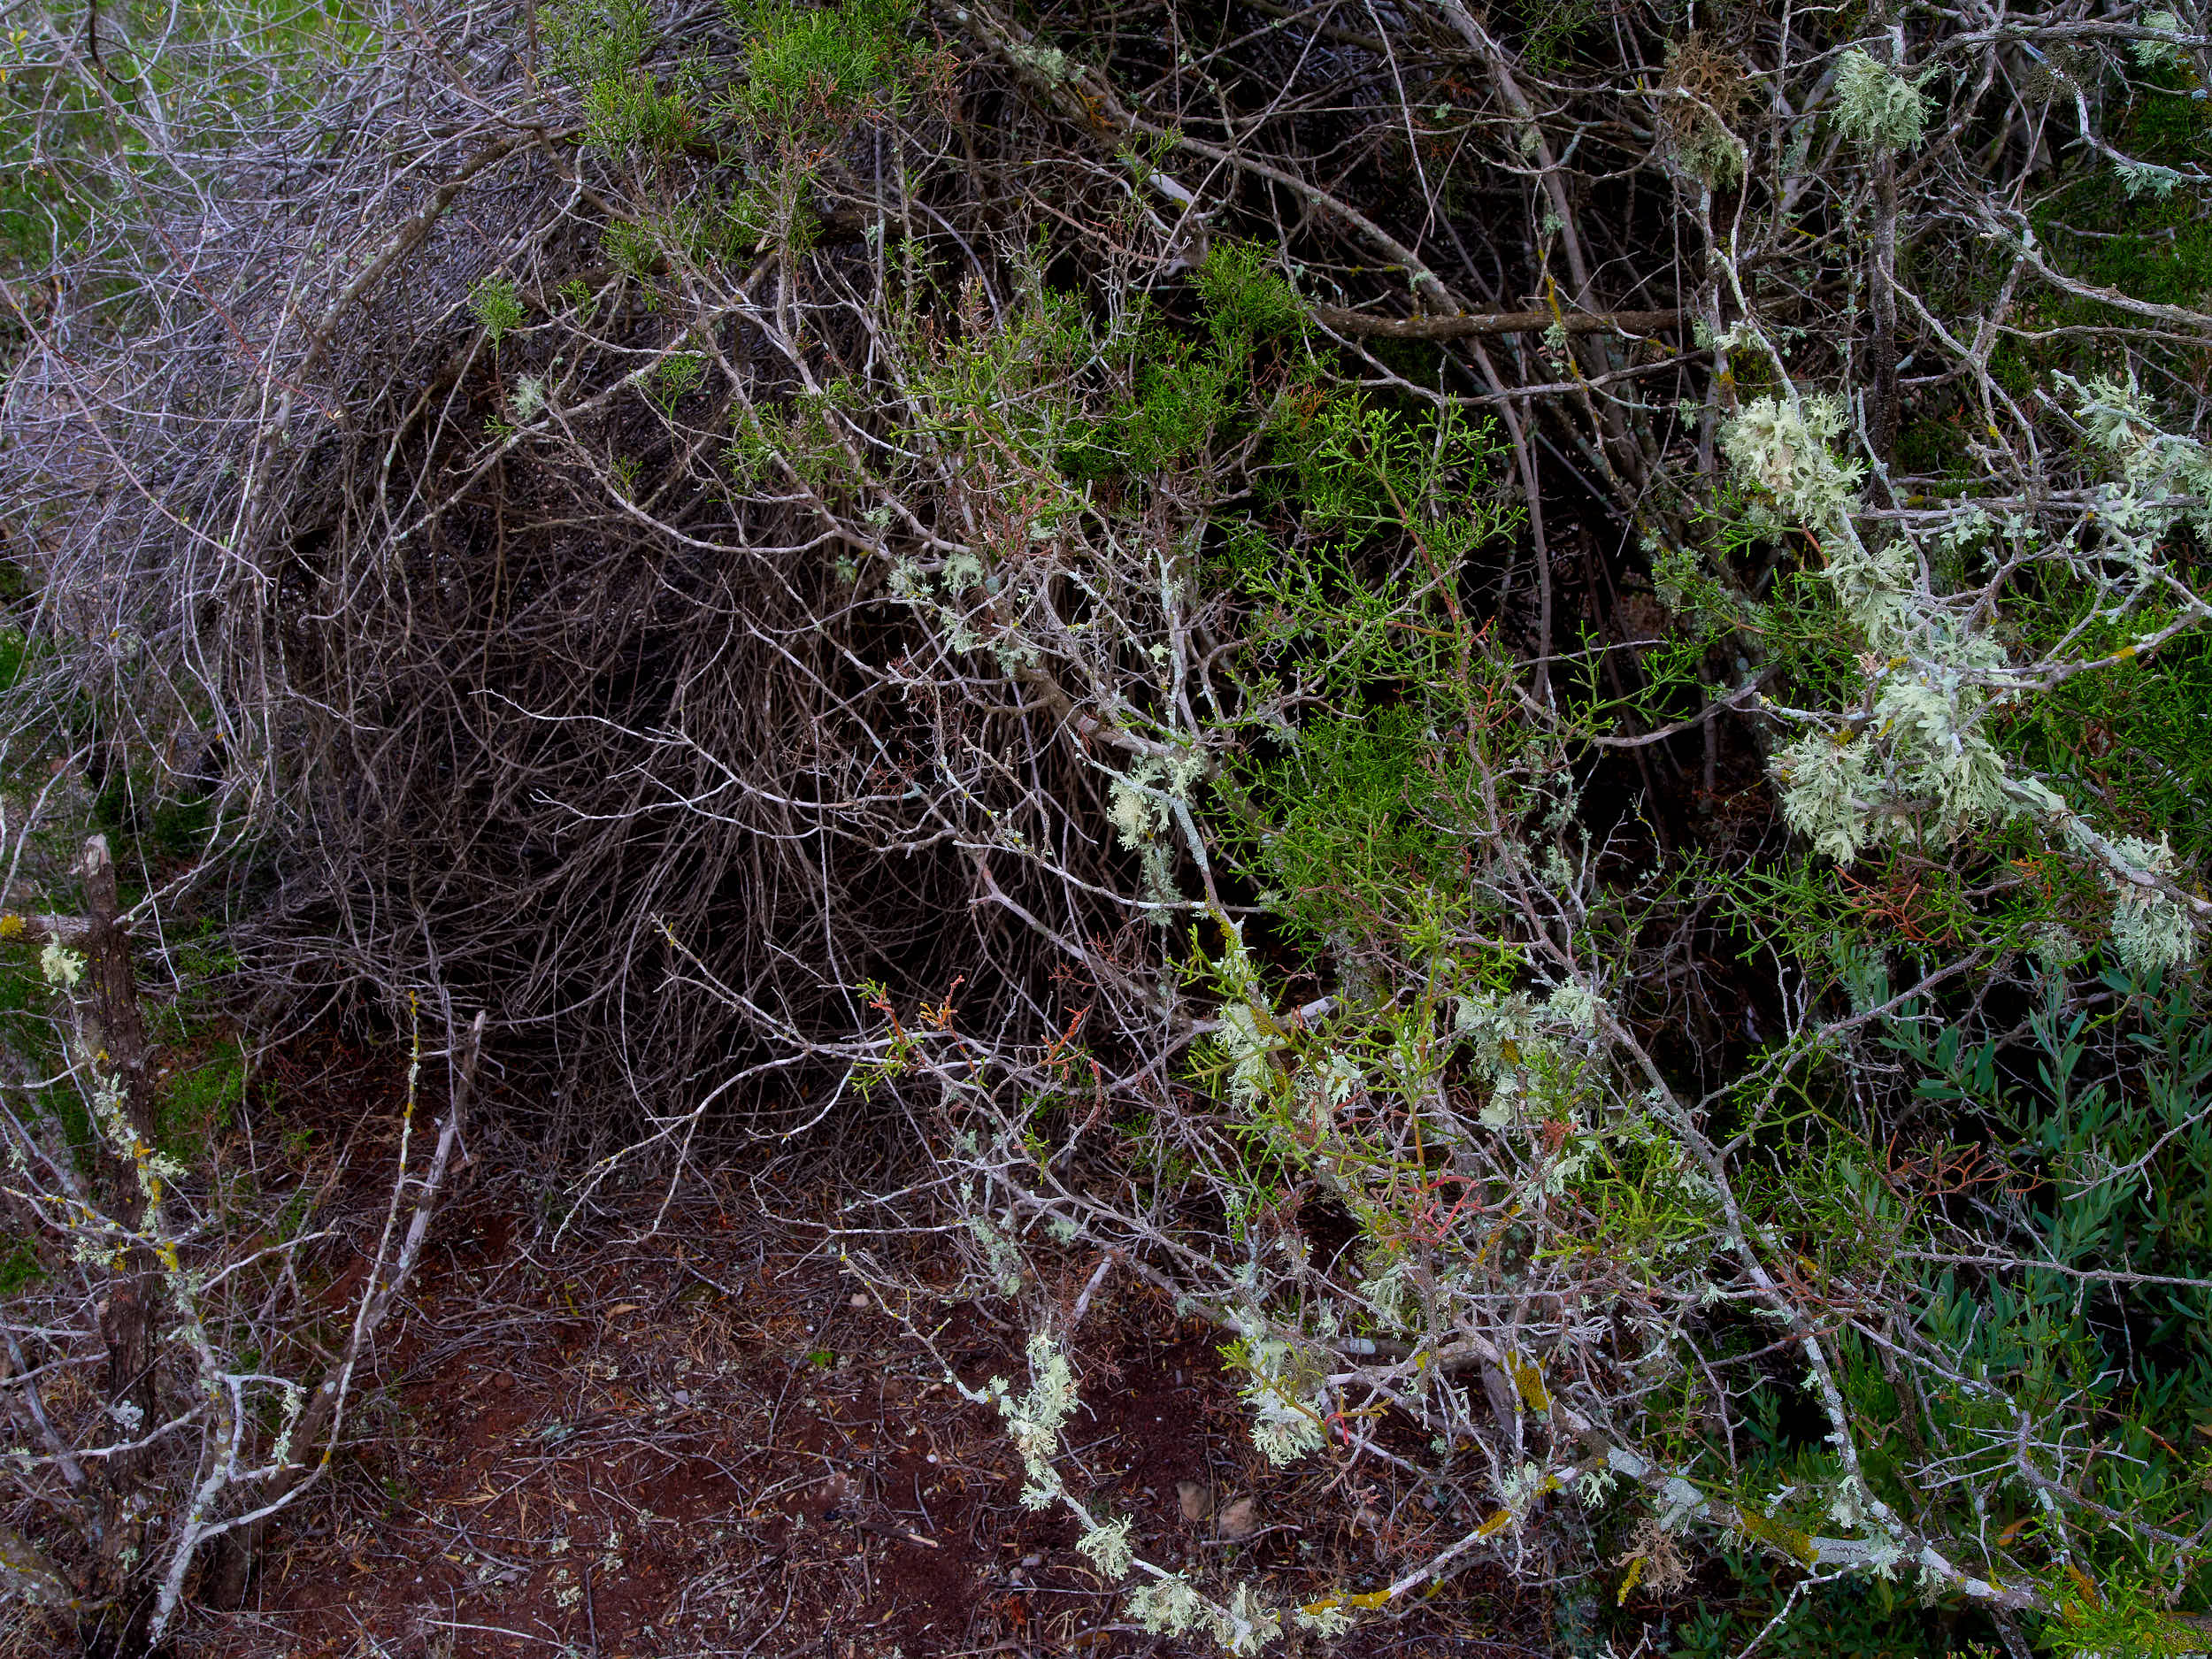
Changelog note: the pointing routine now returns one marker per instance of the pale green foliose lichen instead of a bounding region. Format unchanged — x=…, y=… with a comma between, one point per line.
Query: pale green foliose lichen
x=1783, y=446
x=1876, y=107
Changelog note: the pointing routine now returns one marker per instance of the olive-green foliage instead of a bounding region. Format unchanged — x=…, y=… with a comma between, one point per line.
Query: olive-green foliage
x=23, y=997
x=1178, y=396
x=1897, y=906
x=626, y=110
x=1245, y=296
x=498, y=305
x=145, y=825
x=2121, y=743
x=679, y=374
x=15, y=656
x=19, y=1266
x=2154, y=245
x=1795, y=626
x=1362, y=807
x=810, y=67
x=1637, y=1179
x=62, y=127
x=718, y=224
x=194, y=1104
x=195, y=1090
x=1054, y=389
x=633, y=249
x=1861, y=1618
x=1357, y=468
x=1359, y=818
x=2105, y=1167
x=46, y=192
x=1186, y=394
x=1364, y=818
x=807, y=76
x=1550, y=29
x=2130, y=739
x=798, y=440
x=588, y=43
x=601, y=49
x=2150, y=244
x=1934, y=445
x=2111, y=1135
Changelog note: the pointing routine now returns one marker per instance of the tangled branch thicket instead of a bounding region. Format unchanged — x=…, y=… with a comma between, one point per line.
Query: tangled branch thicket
x=1509, y=696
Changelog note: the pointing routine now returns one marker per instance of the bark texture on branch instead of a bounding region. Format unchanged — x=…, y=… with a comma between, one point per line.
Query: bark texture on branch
x=114, y=1038
x=1470, y=324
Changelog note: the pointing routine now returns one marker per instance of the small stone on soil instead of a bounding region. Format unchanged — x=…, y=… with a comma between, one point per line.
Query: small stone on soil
x=1240, y=1519
x=1197, y=1498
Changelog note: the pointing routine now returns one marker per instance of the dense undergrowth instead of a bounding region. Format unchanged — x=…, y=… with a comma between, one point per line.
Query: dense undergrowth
x=1514, y=702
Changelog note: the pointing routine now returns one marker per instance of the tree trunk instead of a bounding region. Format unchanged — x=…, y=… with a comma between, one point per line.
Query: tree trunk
x=114, y=1039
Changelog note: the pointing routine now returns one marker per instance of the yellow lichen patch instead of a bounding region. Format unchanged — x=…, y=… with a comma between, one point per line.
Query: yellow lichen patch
x=1628, y=1584
x=1366, y=1602
x=1788, y=1540
x=1530, y=1381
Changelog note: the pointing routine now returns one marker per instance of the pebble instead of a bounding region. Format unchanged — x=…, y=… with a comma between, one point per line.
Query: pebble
x=859, y=1300
x=1240, y=1519
x=682, y=1396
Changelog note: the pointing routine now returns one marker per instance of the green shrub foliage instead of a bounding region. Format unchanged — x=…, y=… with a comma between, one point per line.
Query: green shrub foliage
x=1512, y=701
